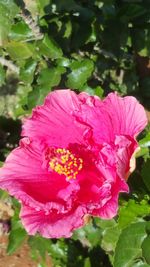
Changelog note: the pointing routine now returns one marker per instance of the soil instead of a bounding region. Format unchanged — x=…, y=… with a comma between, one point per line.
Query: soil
x=22, y=257
x=19, y=259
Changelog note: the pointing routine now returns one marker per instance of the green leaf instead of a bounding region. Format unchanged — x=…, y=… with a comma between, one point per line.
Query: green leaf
x=109, y=234
x=89, y=236
x=42, y=4
x=99, y=91
x=131, y=211
x=80, y=72
x=11, y=7
x=21, y=107
x=143, y=152
x=79, y=234
x=63, y=62
x=50, y=77
x=104, y=224
x=17, y=234
x=87, y=89
x=93, y=234
x=4, y=24
x=146, y=249
x=68, y=29
x=92, y=91
x=47, y=79
x=50, y=48
x=87, y=263
x=2, y=76
x=140, y=264
x=144, y=52
x=59, y=250
x=27, y=72
x=8, y=10
x=37, y=95
x=110, y=238
x=20, y=31
x=16, y=238
x=128, y=248
x=19, y=51
x=145, y=142
x=3, y=194
x=146, y=174
x=144, y=147
x=39, y=245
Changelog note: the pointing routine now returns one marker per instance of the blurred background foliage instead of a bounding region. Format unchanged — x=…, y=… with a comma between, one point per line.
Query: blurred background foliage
x=87, y=45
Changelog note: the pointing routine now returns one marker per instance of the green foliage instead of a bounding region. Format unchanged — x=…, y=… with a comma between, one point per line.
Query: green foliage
x=128, y=248
x=80, y=72
x=77, y=37
x=93, y=46
x=2, y=76
x=17, y=234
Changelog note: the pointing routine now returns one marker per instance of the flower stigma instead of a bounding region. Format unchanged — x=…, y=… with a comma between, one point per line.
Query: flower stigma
x=64, y=162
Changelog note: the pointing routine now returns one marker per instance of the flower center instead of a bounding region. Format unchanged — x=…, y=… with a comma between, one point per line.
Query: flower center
x=64, y=162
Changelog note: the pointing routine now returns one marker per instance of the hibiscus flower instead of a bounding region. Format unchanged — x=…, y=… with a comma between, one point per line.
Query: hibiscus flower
x=73, y=160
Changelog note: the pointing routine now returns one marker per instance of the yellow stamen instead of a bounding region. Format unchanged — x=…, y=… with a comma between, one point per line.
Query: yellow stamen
x=64, y=162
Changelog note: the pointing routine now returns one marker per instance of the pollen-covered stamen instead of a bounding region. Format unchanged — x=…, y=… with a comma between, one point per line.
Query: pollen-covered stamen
x=64, y=162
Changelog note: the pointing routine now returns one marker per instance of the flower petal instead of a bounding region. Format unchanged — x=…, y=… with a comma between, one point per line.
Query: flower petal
x=110, y=208
x=53, y=224
x=53, y=122
x=127, y=114
x=24, y=178
x=112, y=116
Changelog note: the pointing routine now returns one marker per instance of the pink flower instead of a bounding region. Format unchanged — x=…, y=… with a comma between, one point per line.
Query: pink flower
x=73, y=160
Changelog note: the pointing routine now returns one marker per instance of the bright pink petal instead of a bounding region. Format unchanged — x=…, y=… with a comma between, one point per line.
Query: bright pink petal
x=101, y=197
x=90, y=182
x=24, y=178
x=112, y=116
x=91, y=113
x=98, y=183
x=110, y=208
x=53, y=122
x=127, y=114
x=53, y=224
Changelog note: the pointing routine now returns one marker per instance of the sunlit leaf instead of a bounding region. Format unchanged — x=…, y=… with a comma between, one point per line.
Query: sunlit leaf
x=18, y=50
x=80, y=72
x=50, y=48
x=128, y=248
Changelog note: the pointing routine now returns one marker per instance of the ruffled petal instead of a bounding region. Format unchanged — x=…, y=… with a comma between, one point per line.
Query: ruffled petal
x=53, y=122
x=110, y=208
x=127, y=114
x=112, y=116
x=24, y=178
x=53, y=224
x=91, y=184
